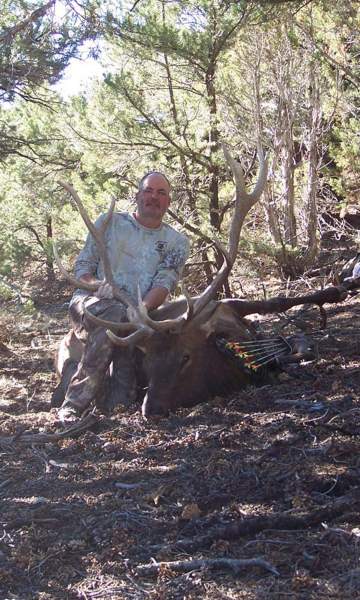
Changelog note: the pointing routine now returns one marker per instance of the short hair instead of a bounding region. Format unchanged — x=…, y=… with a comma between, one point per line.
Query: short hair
x=141, y=182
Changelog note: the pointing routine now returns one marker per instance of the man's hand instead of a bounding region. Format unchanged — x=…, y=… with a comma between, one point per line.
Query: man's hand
x=132, y=315
x=104, y=291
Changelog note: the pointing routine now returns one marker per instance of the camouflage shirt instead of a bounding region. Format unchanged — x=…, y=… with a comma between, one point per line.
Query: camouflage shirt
x=138, y=255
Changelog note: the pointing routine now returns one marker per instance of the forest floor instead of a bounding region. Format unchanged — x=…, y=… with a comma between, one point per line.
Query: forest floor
x=263, y=487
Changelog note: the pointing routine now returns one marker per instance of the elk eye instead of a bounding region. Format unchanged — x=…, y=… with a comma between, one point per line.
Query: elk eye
x=185, y=359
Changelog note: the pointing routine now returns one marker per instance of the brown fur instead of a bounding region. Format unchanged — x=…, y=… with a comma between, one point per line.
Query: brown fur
x=66, y=361
x=70, y=350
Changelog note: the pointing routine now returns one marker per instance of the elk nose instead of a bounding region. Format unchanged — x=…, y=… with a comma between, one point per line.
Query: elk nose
x=153, y=410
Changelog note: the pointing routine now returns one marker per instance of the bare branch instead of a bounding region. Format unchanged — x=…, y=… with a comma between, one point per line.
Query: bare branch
x=237, y=565
x=36, y=14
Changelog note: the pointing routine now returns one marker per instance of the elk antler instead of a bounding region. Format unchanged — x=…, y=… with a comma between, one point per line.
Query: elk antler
x=134, y=338
x=91, y=287
x=126, y=328
x=329, y=295
x=244, y=201
x=171, y=325
x=98, y=234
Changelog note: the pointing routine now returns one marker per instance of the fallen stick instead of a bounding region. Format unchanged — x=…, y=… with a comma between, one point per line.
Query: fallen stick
x=253, y=525
x=5, y=350
x=27, y=439
x=184, y=566
x=30, y=520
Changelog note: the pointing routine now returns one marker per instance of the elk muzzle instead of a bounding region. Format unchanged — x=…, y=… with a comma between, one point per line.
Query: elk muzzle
x=152, y=408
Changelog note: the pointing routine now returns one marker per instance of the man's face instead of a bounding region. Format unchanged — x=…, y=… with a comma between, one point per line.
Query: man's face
x=153, y=199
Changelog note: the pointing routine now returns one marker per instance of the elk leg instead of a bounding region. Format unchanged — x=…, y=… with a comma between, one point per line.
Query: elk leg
x=122, y=388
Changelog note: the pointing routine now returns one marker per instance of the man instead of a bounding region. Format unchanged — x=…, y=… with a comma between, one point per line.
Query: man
x=143, y=251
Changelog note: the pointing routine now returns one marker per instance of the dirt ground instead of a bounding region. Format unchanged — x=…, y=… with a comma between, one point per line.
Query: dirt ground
x=263, y=487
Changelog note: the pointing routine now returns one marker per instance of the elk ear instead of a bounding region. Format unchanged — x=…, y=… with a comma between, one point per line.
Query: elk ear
x=142, y=346
x=225, y=321
x=207, y=328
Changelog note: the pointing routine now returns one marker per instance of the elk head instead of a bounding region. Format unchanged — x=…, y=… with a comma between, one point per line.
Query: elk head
x=185, y=368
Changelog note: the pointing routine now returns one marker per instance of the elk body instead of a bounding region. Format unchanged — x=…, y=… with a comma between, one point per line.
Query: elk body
x=182, y=363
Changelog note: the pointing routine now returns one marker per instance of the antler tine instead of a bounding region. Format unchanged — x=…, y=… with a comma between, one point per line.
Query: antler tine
x=263, y=173
x=130, y=340
x=189, y=301
x=98, y=235
x=235, y=167
x=81, y=208
x=210, y=292
x=243, y=203
x=127, y=327
x=164, y=325
x=108, y=215
x=91, y=287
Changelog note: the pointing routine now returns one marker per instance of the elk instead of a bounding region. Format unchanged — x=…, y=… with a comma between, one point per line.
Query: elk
x=182, y=360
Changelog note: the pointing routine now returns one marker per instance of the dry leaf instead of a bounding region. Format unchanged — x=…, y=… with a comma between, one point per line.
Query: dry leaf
x=283, y=376
x=191, y=511
x=222, y=546
x=159, y=493
x=298, y=502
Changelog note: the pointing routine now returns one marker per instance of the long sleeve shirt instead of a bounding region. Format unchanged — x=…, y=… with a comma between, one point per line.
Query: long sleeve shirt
x=137, y=254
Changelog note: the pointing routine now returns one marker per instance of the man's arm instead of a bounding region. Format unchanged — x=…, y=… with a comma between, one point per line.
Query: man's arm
x=89, y=278
x=168, y=274
x=88, y=259
x=154, y=298
x=169, y=271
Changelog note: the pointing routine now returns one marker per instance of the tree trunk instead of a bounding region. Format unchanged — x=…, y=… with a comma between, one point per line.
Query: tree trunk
x=214, y=135
x=271, y=215
x=213, y=147
x=173, y=108
x=312, y=171
x=287, y=169
x=50, y=273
